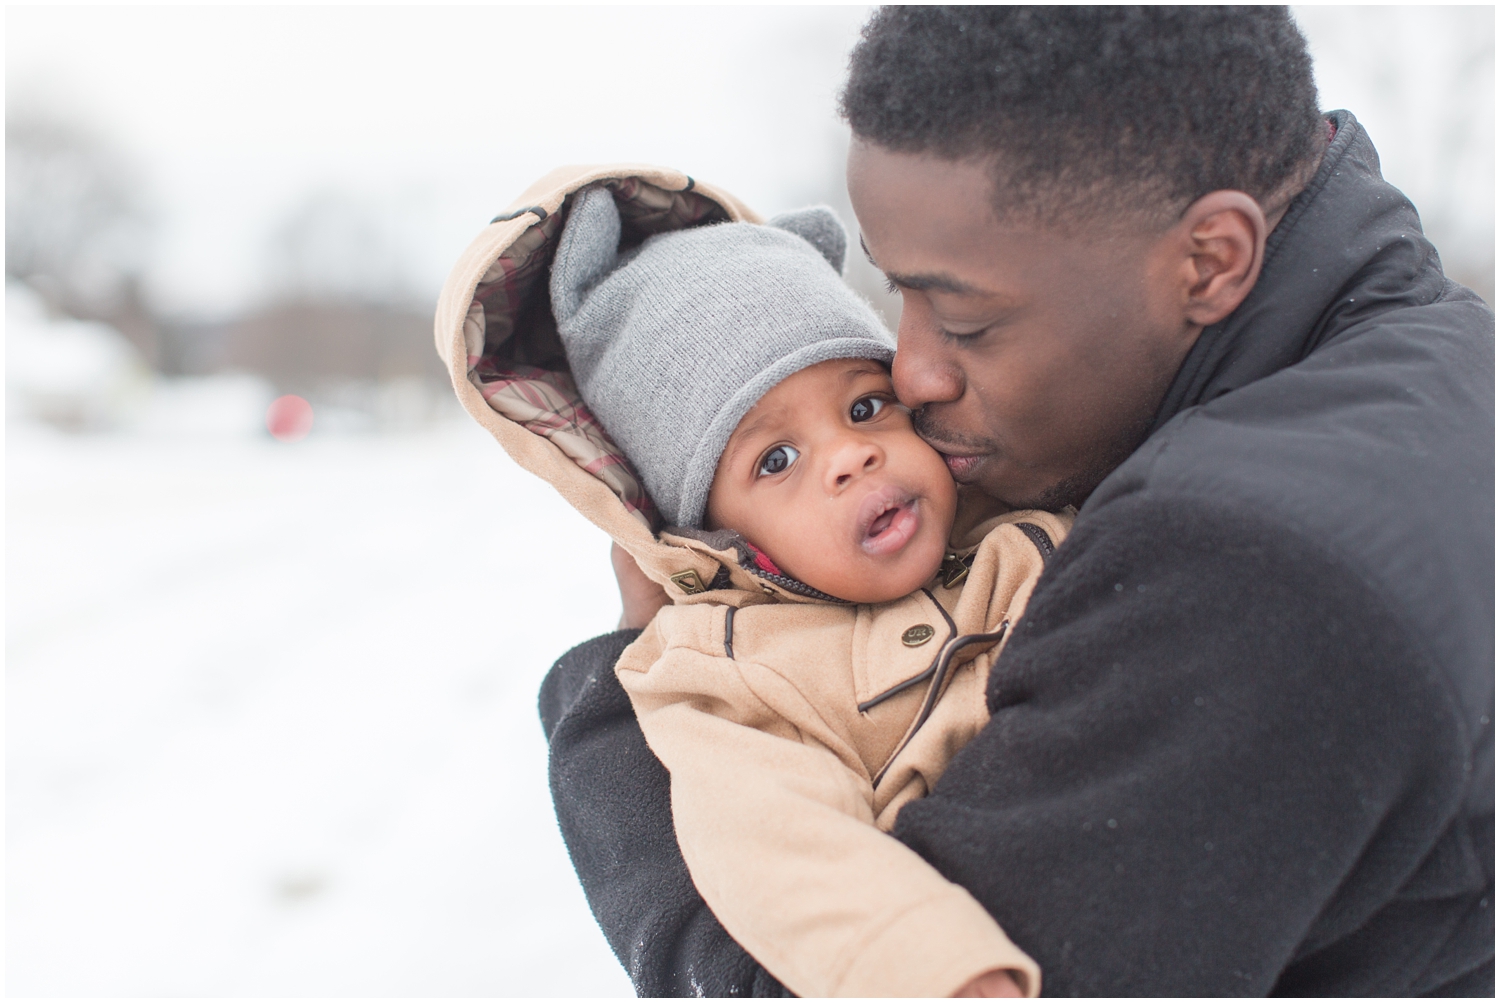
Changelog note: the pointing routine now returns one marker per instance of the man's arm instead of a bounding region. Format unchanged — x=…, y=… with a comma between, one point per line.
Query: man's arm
x=614, y=808
x=1215, y=762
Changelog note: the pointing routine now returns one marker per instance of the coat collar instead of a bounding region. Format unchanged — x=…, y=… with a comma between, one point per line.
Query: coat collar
x=1349, y=246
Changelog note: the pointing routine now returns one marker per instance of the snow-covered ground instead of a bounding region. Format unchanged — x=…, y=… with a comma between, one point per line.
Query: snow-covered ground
x=270, y=715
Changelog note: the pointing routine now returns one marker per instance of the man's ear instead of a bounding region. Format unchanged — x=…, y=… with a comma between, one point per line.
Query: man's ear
x=1222, y=240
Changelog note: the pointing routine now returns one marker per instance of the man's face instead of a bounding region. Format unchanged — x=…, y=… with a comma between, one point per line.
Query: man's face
x=826, y=476
x=1035, y=360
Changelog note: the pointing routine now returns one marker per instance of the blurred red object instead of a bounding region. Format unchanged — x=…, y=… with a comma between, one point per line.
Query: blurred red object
x=289, y=418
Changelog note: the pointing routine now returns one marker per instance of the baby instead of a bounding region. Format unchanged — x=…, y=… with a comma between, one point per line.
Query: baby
x=843, y=660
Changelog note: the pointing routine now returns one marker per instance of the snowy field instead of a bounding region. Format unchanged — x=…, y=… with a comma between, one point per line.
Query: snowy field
x=271, y=723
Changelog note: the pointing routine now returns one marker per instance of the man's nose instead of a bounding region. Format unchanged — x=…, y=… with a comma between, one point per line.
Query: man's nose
x=853, y=457
x=923, y=371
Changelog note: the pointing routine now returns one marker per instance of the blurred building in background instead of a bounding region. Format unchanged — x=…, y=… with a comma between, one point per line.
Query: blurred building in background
x=336, y=320
x=339, y=322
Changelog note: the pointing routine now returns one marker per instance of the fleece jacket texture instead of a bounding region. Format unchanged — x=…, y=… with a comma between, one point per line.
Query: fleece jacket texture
x=1243, y=742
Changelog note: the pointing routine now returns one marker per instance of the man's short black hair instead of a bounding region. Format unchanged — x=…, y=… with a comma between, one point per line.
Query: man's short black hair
x=1087, y=111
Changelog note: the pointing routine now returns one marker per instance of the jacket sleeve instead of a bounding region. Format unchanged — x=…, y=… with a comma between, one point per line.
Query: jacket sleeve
x=613, y=807
x=779, y=838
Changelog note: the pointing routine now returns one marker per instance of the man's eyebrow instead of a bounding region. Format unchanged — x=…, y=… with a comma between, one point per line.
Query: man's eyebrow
x=938, y=282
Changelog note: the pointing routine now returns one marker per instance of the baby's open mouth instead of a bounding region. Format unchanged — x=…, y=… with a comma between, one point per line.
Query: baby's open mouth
x=887, y=521
x=883, y=522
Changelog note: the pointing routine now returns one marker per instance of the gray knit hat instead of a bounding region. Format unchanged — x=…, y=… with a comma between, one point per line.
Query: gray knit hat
x=671, y=343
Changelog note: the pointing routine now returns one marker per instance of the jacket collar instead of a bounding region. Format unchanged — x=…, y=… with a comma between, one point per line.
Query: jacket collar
x=1349, y=246
x=742, y=565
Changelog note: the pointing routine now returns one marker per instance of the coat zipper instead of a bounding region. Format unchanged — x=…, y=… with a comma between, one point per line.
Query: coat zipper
x=792, y=585
x=940, y=671
x=729, y=631
x=942, y=664
x=907, y=684
x=1038, y=536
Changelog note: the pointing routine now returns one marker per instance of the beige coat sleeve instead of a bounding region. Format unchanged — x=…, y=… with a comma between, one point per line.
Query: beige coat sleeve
x=773, y=814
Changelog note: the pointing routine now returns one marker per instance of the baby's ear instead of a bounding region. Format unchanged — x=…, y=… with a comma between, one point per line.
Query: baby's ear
x=588, y=250
x=820, y=227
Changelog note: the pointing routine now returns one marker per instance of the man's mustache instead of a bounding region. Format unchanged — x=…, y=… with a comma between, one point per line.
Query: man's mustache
x=931, y=429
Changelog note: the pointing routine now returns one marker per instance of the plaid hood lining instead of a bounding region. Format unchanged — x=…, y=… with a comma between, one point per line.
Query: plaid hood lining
x=515, y=358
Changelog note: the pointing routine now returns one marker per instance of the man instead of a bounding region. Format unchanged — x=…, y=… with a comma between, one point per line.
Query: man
x=1242, y=742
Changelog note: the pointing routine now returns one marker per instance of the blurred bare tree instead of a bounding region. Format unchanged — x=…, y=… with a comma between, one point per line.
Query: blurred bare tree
x=77, y=228
x=340, y=322
x=335, y=246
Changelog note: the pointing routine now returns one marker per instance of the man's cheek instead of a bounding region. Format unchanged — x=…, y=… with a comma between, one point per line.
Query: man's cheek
x=1017, y=405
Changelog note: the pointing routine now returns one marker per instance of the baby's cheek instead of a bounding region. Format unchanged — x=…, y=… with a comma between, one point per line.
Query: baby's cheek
x=818, y=555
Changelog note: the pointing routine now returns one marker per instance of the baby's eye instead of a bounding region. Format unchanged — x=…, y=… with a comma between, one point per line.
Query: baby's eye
x=777, y=460
x=865, y=408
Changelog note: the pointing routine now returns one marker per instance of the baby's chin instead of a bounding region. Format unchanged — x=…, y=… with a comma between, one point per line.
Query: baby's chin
x=885, y=582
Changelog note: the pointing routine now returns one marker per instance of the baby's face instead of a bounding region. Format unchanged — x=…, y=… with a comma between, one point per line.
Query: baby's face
x=827, y=477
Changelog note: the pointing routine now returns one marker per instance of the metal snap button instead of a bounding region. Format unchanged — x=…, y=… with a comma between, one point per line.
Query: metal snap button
x=916, y=636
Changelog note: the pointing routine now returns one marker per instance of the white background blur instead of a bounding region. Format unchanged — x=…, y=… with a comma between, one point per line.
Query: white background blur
x=270, y=707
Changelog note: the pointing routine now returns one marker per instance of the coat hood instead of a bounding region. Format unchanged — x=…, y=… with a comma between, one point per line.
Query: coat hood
x=496, y=332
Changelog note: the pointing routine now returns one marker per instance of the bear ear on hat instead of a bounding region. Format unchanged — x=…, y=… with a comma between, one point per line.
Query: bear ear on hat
x=820, y=227
x=588, y=250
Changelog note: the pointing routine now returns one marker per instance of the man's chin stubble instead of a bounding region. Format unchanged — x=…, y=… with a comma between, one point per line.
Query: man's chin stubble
x=1074, y=489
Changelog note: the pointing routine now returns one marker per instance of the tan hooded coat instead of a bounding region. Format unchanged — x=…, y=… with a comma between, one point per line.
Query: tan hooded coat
x=794, y=726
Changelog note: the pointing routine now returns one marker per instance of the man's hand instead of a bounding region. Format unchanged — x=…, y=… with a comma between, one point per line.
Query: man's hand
x=991, y=984
x=640, y=596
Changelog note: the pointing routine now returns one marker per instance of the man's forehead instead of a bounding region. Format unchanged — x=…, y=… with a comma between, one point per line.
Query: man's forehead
x=934, y=240
x=926, y=221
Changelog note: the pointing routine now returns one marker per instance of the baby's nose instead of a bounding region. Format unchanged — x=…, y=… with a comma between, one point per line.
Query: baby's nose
x=850, y=461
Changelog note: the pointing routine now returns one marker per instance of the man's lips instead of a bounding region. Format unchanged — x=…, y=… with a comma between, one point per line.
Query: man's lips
x=961, y=467
x=887, y=521
x=962, y=453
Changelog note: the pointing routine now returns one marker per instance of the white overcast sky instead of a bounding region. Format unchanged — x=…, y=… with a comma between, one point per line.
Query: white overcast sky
x=436, y=117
